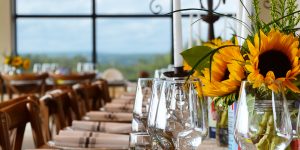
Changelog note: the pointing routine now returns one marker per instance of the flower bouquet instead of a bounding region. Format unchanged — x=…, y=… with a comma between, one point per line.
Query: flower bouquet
x=261, y=73
x=16, y=64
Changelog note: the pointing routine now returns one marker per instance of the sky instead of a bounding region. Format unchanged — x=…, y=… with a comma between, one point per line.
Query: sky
x=114, y=35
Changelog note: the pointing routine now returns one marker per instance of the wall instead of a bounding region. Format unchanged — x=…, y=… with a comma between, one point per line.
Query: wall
x=5, y=26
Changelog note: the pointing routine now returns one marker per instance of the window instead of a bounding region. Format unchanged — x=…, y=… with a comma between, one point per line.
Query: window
x=133, y=44
x=101, y=31
x=53, y=7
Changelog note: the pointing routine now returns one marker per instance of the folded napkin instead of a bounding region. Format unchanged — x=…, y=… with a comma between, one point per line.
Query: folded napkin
x=132, y=94
x=108, y=127
x=122, y=101
x=103, y=140
x=108, y=116
x=115, y=107
x=129, y=97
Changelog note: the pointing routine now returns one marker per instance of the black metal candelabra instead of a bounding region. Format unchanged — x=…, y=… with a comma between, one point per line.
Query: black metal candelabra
x=210, y=18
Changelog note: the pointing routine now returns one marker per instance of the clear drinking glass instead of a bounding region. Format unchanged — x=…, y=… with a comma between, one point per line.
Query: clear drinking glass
x=140, y=138
x=142, y=99
x=181, y=119
x=158, y=90
x=37, y=68
x=263, y=119
x=139, y=141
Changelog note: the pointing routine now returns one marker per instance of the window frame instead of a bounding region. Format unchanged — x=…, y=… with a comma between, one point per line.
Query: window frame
x=93, y=16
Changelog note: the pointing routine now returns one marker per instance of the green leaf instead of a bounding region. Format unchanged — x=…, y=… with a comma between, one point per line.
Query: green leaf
x=192, y=56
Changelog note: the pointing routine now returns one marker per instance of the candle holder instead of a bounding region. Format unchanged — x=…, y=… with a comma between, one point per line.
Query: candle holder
x=210, y=18
x=178, y=72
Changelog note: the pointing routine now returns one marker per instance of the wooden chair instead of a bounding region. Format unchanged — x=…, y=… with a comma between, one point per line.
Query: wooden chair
x=24, y=84
x=14, y=115
x=104, y=90
x=58, y=113
x=91, y=94
x=66, y=81
x=77, y=104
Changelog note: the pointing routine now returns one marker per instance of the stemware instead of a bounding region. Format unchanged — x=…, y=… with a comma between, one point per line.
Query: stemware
x=263, y=119
x=37, y=67
x=181, y=117
x=158, y=91
x=142, y=99
x=140, y=138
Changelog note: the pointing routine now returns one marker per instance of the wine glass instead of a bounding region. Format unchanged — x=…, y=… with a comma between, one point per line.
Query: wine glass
x=140, y=138
x=181, y=118
x=142, y=99
x=37, y=67
x=263, y=119
x=158, y=90
x=79, y=67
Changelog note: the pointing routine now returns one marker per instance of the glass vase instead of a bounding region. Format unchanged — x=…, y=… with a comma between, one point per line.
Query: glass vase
x=263, y=119
x=222, y=128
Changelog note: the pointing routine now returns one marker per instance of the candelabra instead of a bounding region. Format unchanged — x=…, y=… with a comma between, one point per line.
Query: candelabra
x=210, y=18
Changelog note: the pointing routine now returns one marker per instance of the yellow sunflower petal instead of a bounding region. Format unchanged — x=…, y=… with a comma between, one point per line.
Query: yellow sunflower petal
x=291, y=86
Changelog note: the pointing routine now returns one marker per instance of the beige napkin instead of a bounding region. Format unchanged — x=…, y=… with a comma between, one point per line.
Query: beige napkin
x=131, y=94
x=85, y=125
x=115, y=107
x=122, y=101
x=109, y=127
x=69, y=138
x=129, y=97
x=108, y=116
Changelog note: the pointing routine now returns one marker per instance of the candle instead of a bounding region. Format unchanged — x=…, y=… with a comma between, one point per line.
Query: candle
x=177, y=24
x=190, y=44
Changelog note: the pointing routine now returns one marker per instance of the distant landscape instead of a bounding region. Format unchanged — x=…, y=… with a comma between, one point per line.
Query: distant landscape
x=129, y=64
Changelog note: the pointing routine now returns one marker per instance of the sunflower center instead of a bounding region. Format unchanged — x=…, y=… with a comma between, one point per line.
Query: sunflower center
x=275, y=61
x=226, y=75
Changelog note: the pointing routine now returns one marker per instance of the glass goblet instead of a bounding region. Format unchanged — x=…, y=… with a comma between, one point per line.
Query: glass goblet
x=181, y=119
x=142, y=99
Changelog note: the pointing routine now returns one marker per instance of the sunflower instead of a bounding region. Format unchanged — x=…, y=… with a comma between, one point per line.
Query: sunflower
x=186, y=66
x=17, y=61
x=226, y=74
x=214, y=43
x=275, y=62
x=26, y=64
x=7, y=60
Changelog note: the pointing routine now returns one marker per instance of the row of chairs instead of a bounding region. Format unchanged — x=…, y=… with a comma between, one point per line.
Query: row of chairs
x=39, y=83
x=49, y=114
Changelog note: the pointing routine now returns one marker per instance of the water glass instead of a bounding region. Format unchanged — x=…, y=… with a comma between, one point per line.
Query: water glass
x=181, y=118
x=140, y=141
x=142, y=99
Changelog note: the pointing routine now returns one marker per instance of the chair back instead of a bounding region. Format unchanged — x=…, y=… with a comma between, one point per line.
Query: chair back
x=66, y=81
x=58, y=111
x=77, y=104
x=14, y=115
x=25, y=83
x=91, y=94
x=103, y=86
